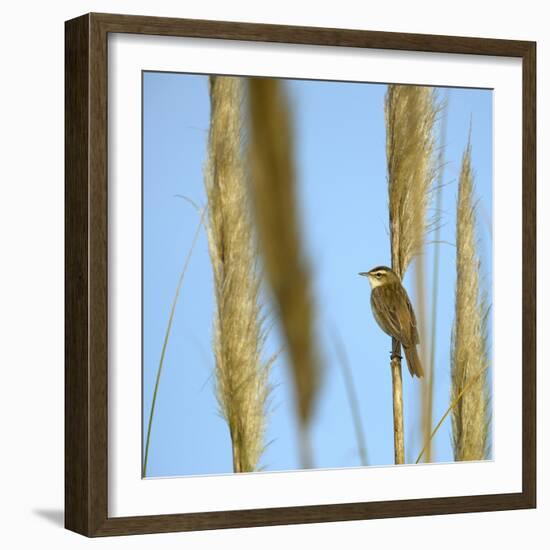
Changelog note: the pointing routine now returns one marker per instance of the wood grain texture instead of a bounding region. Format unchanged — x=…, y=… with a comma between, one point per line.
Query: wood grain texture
x=529, y=274
x=86, y=280
x=77, y=460
x=165, y=26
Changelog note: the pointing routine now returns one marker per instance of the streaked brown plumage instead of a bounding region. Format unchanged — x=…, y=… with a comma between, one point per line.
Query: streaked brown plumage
x=394, y=314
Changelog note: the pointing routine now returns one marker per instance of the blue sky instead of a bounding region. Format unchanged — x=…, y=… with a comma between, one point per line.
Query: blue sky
x=341, y=173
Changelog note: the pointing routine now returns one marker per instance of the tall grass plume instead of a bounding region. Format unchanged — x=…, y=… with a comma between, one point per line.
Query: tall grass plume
x=242, y=384
x=410, y=114
x=273, y=185
x=469, y=355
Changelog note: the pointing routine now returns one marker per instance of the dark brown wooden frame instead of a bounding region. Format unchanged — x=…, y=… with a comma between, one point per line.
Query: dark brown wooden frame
x=87, y=285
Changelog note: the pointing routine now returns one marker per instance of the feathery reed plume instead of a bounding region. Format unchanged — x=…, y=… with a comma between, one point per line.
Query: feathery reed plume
x=241, y=376
x=469, y=340
x=277, y=219
x=410, y=113
x=410, y=116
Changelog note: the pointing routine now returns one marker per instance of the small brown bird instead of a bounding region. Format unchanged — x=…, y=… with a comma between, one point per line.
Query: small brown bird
x=394, y=314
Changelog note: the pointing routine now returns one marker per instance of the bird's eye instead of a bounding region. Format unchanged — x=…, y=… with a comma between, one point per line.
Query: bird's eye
x=378, y=275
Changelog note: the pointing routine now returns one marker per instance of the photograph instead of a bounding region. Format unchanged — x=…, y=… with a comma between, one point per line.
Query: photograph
x=317, y=274
x=299, y=274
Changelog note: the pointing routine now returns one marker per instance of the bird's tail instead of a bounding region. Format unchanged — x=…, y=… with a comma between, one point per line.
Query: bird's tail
x=413, y=361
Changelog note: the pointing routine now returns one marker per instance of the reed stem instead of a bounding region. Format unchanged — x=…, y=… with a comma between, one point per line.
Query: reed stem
x=428, y=414
x=450, y=409
x=397, y=391
x=352, y=400
x=426, y=386
x=409, y=115
x=165, y=343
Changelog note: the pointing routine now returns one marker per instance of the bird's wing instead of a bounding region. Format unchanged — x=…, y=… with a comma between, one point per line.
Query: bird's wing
x=385, y=312
x=384, y=316
x=394, y=313
x=413, y=326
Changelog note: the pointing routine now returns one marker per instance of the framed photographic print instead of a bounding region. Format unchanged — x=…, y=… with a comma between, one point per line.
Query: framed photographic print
x=300, y=275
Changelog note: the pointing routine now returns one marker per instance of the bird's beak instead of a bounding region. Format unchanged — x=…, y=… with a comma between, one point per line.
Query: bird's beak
x=364, y=274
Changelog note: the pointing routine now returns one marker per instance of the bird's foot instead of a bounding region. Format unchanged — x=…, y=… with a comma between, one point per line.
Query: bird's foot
x=394, y=355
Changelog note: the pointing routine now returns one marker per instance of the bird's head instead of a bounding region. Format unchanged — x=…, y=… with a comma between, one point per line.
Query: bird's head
x=380, y=275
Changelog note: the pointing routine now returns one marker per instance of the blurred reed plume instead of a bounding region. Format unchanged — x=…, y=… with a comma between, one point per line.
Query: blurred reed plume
x=410, y=113
x=469, y=342
x=241, y=376
x=426, y=387
x=428, y=382
x=275, y=203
